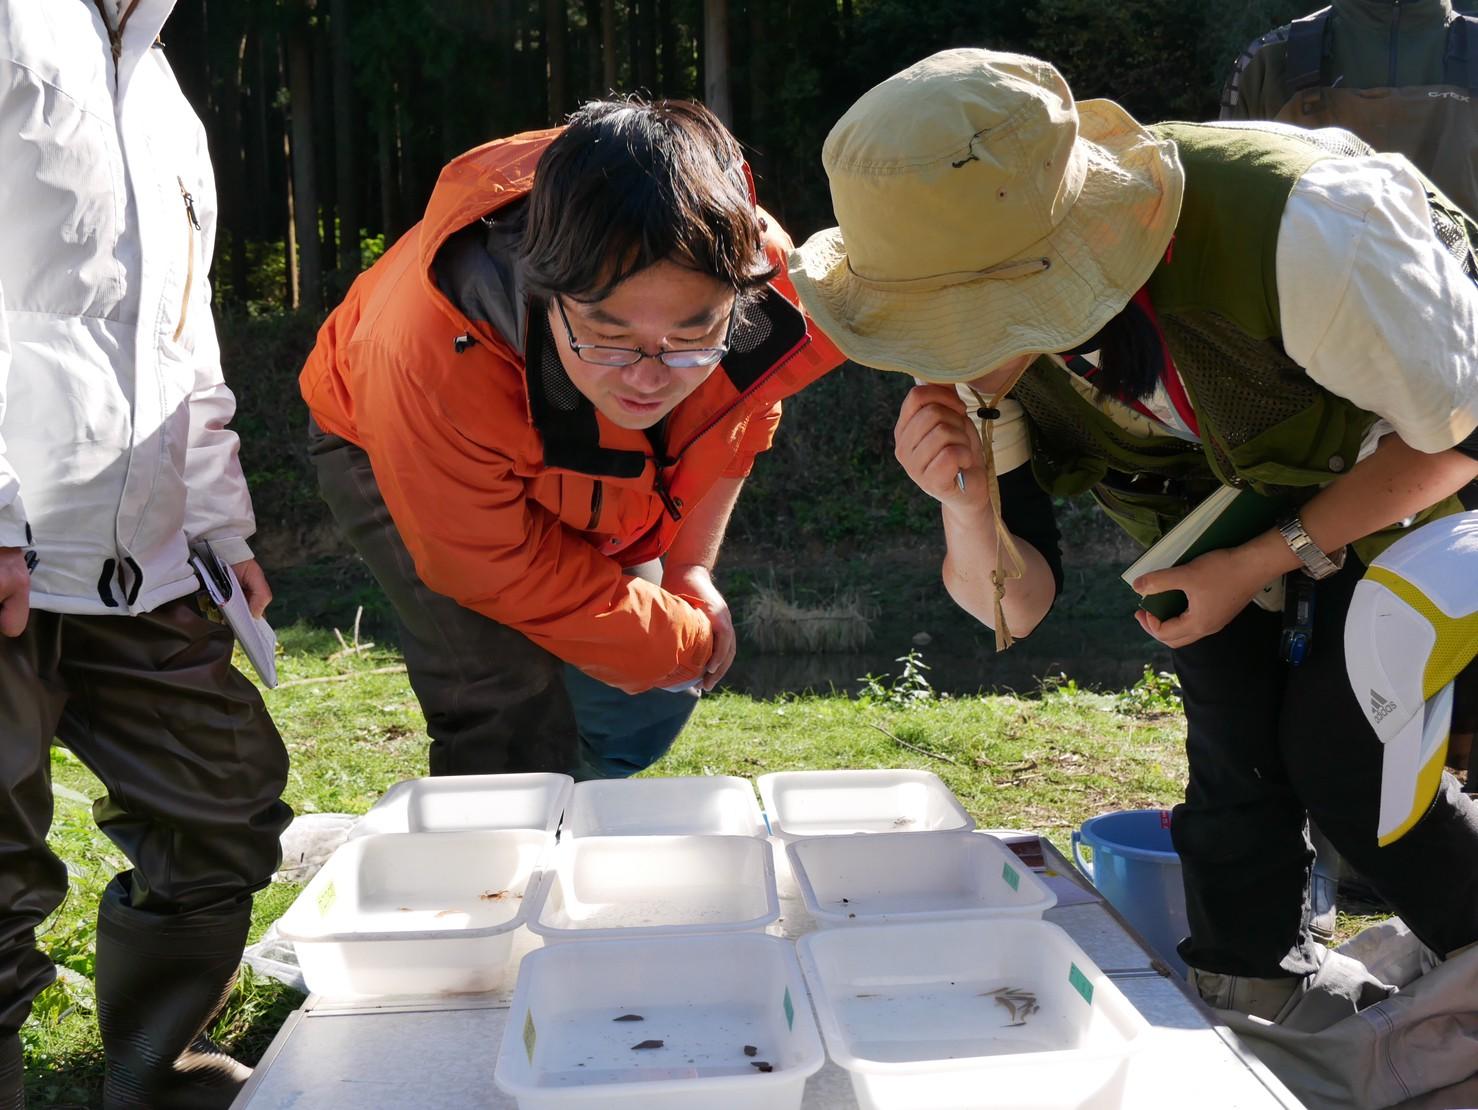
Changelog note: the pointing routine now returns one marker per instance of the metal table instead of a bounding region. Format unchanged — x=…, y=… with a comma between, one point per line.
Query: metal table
x=438, y=1053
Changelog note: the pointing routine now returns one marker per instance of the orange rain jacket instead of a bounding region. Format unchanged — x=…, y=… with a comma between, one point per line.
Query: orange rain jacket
x=509, y=503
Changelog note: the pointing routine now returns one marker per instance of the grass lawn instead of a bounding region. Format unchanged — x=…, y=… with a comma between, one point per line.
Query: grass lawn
x=1045, y=762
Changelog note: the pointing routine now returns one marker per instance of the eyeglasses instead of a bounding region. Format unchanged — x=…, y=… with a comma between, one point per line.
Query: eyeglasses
x=686, y=358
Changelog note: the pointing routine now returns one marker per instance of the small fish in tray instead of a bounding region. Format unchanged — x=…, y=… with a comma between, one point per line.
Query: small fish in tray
x=1020, y=1004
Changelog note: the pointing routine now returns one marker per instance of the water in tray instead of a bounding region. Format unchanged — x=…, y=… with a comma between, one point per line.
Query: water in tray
x=939, y=1021
x=592, y=1047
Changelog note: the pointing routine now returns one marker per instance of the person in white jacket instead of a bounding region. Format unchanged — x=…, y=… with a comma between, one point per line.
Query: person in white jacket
x=115, y=458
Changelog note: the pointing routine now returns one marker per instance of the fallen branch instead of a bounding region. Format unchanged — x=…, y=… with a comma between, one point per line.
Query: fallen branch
x=399, y=668
x=914, y=747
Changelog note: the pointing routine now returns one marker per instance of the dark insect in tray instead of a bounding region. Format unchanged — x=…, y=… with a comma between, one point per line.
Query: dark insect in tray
x=762, y=1065
x=646, y=1044
x=629, y=1017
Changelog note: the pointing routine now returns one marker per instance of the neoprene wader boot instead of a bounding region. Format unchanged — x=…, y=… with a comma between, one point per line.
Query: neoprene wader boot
x=160, y=980
x=12, y=1073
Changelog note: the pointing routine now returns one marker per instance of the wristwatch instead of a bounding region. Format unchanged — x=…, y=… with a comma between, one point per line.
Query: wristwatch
x=1316, y=564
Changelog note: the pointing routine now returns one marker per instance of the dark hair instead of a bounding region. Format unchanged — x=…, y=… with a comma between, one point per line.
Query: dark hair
x=630, y=183
x=1129, y=355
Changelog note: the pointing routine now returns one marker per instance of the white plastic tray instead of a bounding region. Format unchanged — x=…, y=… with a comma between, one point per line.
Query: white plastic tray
x=414, y=913
x=714, y=805
x=827, y=803
x=909, y=1011
x=613, y=887
x=705, y=998
x=858, y=880
x=455, y=802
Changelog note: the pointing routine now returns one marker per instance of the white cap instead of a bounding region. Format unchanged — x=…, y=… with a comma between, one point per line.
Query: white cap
x=1412, y=626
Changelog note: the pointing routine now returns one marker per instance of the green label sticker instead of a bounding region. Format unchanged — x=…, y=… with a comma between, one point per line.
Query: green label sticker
x=789, y=1011
x=530, y=1034
x=326, y=898
x=1080, y=983
x=1013, y=880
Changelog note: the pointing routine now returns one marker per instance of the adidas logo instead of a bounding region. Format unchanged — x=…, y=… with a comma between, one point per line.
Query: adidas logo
x=1381, y=707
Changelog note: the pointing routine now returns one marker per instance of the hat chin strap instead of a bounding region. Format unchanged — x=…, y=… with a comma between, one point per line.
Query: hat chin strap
x=1005, y=542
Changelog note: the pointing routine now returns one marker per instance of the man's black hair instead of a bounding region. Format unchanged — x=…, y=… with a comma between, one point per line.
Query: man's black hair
x=631, y=183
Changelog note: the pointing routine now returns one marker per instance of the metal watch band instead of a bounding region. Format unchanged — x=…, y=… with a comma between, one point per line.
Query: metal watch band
x=1316, y=563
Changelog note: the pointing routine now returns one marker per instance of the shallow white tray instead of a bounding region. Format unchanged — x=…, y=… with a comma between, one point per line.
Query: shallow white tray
x=705, y=998
x=610, y=887
x=414, y=913
x=454, y=802
x=710, y=805
x=827, y=803
x=909, y=1011
x=857, y=880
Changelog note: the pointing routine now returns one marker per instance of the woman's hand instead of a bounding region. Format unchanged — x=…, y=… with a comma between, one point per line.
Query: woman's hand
x=935, y=442
x=1218, y=585
x=254, y=586
x=694, y=583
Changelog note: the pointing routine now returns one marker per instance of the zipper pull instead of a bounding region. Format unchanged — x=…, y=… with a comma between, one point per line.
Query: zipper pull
x=189, y=204
x=665, y=494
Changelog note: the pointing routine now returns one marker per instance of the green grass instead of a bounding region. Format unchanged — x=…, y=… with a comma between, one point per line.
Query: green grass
x=1045, y=763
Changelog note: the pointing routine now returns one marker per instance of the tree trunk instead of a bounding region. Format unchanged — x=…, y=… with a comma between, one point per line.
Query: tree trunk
x=555, y=58
x=344, y=152
x=231, y=173
x=325, y=169
x=304, y=183
x=716, y=93
x=607, y=47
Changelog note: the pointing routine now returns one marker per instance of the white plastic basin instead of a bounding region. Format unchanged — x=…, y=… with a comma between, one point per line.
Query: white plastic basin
x=414, y=913
x=455, y=802
x=705, y=998
x=857, y=880
x=826, y=803
x=607, y=887
x=713, y=805
x=908, y=1010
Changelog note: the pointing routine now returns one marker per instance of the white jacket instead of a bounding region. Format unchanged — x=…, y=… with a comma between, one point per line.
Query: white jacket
x=114, y=452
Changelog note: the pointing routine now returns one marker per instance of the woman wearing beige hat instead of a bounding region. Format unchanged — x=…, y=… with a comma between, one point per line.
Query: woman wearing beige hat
x=1171, y=308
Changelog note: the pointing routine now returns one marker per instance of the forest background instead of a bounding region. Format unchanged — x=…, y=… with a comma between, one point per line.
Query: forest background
x=329, y=120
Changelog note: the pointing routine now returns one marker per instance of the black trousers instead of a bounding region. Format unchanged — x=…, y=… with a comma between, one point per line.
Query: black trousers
x=1270, y=746
x=193, y=766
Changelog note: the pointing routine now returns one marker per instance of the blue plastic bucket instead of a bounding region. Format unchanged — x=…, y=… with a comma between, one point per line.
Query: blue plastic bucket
x=1135, y=867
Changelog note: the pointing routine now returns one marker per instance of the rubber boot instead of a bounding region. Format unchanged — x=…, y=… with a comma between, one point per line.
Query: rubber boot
x=1323, y=887
x=160, y=980
x=12, y=1073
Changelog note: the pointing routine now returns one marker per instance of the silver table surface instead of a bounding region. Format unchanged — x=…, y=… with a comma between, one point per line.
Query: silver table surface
x=439, y=1052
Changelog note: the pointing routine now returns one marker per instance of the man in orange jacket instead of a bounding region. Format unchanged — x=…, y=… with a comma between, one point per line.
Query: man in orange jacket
x=533, y=417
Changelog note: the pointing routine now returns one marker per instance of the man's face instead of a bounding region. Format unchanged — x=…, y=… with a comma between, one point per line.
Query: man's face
x=666, y=307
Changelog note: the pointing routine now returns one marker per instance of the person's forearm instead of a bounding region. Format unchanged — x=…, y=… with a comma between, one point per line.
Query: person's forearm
x=969, y=559
x=1393, y=483
x=698, y=541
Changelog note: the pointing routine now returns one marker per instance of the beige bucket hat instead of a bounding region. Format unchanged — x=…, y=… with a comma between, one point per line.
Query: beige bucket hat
x=984, y=215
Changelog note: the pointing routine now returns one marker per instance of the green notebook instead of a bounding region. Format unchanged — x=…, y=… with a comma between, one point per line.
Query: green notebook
x=1227, y=518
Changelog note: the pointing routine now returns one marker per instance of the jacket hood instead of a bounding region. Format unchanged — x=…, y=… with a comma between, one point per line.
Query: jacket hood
x=470, y=229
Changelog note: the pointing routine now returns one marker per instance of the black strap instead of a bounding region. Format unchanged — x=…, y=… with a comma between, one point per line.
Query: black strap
x=1308, y=51
x=1460, y=62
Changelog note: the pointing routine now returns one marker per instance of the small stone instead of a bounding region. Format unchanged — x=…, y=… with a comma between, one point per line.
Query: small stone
x=750, y=1050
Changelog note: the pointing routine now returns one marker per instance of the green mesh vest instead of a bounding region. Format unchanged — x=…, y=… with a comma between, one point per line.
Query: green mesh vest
x=1264, y=423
